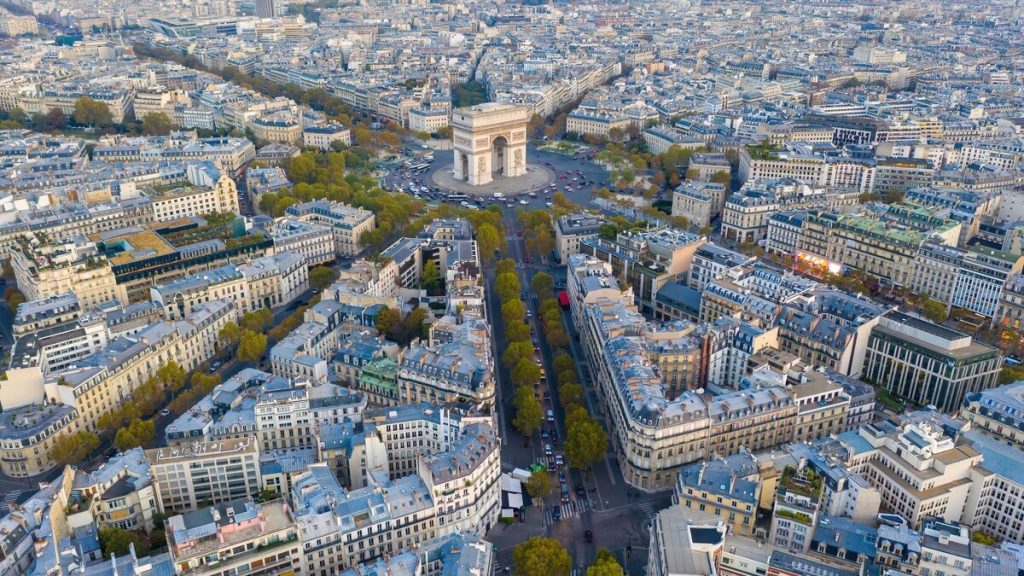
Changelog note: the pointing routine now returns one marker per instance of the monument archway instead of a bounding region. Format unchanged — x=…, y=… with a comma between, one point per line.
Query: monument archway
x=489, y=141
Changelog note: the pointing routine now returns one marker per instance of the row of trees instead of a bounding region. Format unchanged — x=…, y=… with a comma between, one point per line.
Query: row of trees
x=586, y=441
x=537, y=231
x=127, y=425
x=519, y=355
x=540, y=556
x=88, y=113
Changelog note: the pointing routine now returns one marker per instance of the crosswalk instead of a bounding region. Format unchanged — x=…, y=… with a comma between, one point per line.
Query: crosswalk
x=571, y=510
x=649, y=509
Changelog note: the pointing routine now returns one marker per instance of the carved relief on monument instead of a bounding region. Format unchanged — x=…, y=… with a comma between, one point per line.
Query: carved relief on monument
x=482, y=165
x=517, y=157
x=519, y=135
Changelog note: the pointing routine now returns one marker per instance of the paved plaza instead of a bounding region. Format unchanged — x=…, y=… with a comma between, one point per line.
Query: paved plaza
x=535, y=179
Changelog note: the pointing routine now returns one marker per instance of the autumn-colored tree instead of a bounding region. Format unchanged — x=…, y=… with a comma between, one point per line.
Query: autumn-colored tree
x=541, y=556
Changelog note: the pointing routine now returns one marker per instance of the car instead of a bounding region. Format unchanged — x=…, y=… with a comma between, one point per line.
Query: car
x=215, y=366
x=523, y=202
x=547, y=395
x=556, y=513
x=519, y=232
x=551, y=416
x=559, y=461
x=561, y=478
x=554, y=441
x=547, y=450
x=565, y=494
x=548, y=204
x=589, y=536
x=165, y=412
x=544, y=433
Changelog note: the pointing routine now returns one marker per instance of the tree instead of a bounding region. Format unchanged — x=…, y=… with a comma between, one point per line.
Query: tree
x=557, y=338
x=56, y=119
x=321, y=277
x=605, y=564
x=138, y=433
x=516, y=351
x=541, y=556
x=73, y=448
x=251, y=347
x=721, y=177
x=513, y=310
x=526, y=373
x=156, y=124
x=415, y=324
x=254, y=321
x=542, y=284
x=171, y=376
x=387, y=322
x=564, y=362
x=507, y=286
x=116, y=541
x=506, y=266
x=934, y=310
x=538, y=485
x=92, y=113
x=230, y=334
x=528, y=411
x=431, y=276
x=570, y=395
x=487, y=239
x=204, y=383
x=586, y=443
x=517, y=331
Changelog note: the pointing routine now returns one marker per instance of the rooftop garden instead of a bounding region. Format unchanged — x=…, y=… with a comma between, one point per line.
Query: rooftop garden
x=763, y=151
x=802, y=482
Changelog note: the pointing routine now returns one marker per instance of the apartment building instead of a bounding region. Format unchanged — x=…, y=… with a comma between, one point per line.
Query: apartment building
x=312, y=241
x=919, y=470
x=570, y=230
x=796, y=508
x=972, y=278
x=230, y=153
x=746, y=213
x=259, y=538
x=647, y=260
x=174, y=202
x=805, y=165
x=46, y=269
x=348, y=223
x=750, y=420
x=324, y=137
x=711, y=262
x=459, y=366
x=265, y=282
x=366, y=283
x=884, y=242
x=926, y=363
x=698, y=201
x=998, y=412
x=120, y=493
x=727, y=487
x=189, y=477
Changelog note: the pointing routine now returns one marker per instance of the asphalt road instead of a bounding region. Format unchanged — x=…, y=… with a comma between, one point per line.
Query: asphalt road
x=617, y=516
x=560, y=164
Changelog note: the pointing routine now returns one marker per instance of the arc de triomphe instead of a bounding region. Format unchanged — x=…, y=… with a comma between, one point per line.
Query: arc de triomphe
x=489, y=142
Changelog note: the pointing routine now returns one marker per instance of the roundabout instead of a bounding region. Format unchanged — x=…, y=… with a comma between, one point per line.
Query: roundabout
x=535, y=179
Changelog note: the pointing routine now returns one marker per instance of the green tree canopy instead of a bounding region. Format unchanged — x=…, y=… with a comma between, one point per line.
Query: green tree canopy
x=506, y=266
x=92, y=113
x=156, y=124
x=934, y=310
x=230, y=334
x=605, y=564
x=585, y=443
x=526, y=373
x=251, y=347
x=73, y=448
x=321, y=277
x=542, y=285
x=487, y=239
x=116, y=541
x=507, y=286
x=538, y=485
x=516, y=351
x=431, y=276
x=541, y=556
x=528, y=411
x=513, y=310
x=138, y=433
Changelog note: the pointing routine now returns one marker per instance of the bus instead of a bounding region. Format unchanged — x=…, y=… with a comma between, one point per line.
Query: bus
x=457, y=196
x=420, y=167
